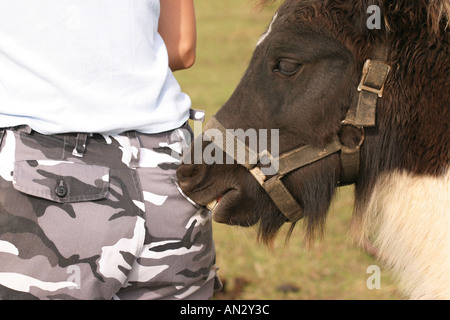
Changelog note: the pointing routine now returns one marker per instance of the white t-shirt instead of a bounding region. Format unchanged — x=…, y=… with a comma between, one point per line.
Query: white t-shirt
x=86, y=66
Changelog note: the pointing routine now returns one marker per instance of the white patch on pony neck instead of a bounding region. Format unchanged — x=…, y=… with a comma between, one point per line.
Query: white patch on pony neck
x=264, y=36
x=408, y=220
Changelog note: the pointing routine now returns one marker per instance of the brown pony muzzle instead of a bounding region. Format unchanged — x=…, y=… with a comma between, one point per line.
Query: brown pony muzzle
x=228, y=190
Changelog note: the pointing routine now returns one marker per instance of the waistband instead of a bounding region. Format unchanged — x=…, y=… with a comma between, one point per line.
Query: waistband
x=81, y=139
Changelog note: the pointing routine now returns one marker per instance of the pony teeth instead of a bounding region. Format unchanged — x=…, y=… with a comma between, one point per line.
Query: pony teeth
x=212, y=205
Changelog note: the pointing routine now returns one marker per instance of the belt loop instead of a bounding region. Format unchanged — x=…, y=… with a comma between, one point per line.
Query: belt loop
x=23, y=128
x=2, y=134
x=135, y=149
x=80, y=145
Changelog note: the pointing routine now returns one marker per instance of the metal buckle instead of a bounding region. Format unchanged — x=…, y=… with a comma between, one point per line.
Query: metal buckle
x=197, y=115
x=345, y=122
x=264, y=158
x=258, y=175
x=367, y=66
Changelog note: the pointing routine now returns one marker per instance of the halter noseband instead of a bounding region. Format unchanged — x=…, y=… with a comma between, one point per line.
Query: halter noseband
x=360, y=114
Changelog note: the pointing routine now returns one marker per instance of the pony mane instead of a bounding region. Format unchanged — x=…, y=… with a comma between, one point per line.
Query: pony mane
x=401, y=12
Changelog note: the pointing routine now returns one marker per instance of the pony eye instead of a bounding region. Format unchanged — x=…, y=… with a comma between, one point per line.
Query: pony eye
x=287, y=67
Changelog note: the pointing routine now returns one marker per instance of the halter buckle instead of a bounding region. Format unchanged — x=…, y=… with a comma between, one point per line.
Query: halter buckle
x=374, y=75
x=265, y=158
x=258, y=175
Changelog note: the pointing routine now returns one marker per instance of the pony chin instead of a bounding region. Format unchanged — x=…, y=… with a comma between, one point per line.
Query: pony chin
x=407, y=219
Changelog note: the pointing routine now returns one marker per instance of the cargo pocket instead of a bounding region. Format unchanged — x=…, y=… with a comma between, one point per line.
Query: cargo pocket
x=61, y=181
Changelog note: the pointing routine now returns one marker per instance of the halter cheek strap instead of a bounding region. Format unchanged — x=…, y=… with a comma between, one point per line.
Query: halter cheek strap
x=362, y=111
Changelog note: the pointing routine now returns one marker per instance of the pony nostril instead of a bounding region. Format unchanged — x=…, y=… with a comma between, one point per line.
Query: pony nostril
x=190, y=176
x=186, y=172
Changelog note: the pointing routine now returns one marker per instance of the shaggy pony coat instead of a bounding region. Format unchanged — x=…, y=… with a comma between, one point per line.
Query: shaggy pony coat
x=402, y=194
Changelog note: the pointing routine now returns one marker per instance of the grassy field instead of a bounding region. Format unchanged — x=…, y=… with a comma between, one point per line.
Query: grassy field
x=227, y=34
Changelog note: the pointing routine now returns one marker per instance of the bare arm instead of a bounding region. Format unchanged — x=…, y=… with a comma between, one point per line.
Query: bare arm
x=177, y=26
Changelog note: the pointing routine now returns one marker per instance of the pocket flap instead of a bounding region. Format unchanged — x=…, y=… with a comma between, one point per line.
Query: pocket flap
x=61, y=181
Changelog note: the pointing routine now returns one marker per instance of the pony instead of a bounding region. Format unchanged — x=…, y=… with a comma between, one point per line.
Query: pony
x=363, y=80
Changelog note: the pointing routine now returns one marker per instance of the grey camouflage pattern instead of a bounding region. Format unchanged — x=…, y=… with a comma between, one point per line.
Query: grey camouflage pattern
x=110, y=224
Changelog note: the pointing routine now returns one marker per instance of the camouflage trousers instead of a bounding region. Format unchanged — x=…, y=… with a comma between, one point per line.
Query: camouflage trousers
x=99, y=217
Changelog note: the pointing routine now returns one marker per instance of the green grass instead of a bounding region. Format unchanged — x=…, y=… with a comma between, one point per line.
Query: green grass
x=335, y=269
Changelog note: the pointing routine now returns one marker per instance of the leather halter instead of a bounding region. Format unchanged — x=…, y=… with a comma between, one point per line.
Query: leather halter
x=360, y=114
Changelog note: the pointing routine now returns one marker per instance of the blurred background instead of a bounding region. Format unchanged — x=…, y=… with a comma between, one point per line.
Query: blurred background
x=228, y=31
